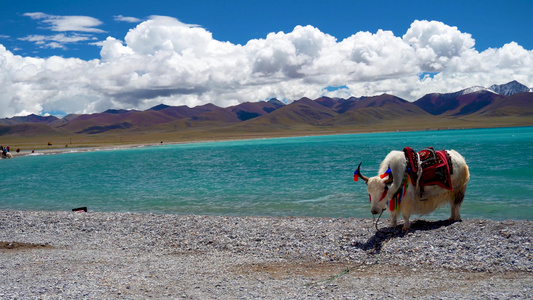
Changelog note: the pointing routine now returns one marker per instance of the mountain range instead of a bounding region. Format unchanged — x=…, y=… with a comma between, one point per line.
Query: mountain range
x=508, y=104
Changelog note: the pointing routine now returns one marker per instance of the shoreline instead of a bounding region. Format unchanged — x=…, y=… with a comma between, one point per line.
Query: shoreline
x=135, y=256
x=114, y=146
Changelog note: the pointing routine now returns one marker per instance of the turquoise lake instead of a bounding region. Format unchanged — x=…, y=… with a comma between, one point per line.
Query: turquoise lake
x=301, y=176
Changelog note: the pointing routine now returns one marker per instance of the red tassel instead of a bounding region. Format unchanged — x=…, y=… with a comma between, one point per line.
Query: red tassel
x=387, y=173
x=355, y=175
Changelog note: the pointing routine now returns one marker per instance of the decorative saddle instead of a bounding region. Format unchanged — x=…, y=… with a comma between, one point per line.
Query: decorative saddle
x=436, y=167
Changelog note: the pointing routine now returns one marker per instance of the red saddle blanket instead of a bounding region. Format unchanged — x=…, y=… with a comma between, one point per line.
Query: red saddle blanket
x=436, y=166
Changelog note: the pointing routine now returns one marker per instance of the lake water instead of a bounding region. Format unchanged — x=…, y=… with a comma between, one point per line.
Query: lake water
x=301, y=176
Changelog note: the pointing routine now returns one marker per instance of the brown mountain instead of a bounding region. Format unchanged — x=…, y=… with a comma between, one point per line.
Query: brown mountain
x=249, y=110
x=28, y=129
x=211, y=116
x=437, y=104
x=516, y=105
x=459, y=103
x=28, y=119
x=376, y=109
x=232, y=114
x=328, y=102
x=183, y=112
x=385, y=101
x=115, y=119
x=63, y=120
x=471, y=107
x=474, y=102
x=304, y=112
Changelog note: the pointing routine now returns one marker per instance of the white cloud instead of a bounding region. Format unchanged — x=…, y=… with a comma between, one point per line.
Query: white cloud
x=122, y=18
x=57, y=40
x=73, y=25
x=436, y=43
x=165, y=33
x=67, y=23
x=163, y=60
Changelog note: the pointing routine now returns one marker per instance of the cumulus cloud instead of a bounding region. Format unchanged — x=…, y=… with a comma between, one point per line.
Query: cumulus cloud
x=436, y=44
x=163, y=60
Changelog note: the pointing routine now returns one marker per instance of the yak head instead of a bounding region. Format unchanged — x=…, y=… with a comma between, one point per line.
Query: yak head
x=378, y=189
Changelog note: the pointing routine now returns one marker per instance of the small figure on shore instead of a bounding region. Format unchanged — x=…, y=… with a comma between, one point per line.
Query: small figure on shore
x=18, y=150
x=6, y=154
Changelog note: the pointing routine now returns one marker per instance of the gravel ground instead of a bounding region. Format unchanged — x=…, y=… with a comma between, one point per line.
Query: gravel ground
x=137, y=256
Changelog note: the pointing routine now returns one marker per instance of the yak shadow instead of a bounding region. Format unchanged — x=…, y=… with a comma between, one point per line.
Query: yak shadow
x=374, y=244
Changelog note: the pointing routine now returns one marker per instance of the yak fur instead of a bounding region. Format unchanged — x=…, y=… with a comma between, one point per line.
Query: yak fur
x=433, y=196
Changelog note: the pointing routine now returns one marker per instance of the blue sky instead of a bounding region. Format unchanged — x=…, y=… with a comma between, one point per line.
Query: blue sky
x=491, y=23
x=389, y=46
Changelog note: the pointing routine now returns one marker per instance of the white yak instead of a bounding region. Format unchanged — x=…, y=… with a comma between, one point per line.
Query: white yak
x=403, y=191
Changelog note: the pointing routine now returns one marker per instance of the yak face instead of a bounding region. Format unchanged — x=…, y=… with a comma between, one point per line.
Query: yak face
x=378, y=188
x=377, y=191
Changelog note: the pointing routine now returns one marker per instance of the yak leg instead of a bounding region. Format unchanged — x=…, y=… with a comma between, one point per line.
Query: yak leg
x=456, y=206
x=394, y=219
x=406, y=224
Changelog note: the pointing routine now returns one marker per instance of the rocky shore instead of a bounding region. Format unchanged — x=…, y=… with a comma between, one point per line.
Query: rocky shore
x=72, y=255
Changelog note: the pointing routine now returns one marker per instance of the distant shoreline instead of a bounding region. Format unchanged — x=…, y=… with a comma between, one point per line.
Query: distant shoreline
x=116, y=146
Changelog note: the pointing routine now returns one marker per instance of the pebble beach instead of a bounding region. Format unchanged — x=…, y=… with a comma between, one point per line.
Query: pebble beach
x=95, y=255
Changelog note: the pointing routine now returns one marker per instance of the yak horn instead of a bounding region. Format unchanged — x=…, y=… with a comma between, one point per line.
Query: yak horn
x=359, y=173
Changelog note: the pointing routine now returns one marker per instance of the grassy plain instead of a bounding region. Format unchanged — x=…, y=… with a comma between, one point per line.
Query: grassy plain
x=242, y=131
